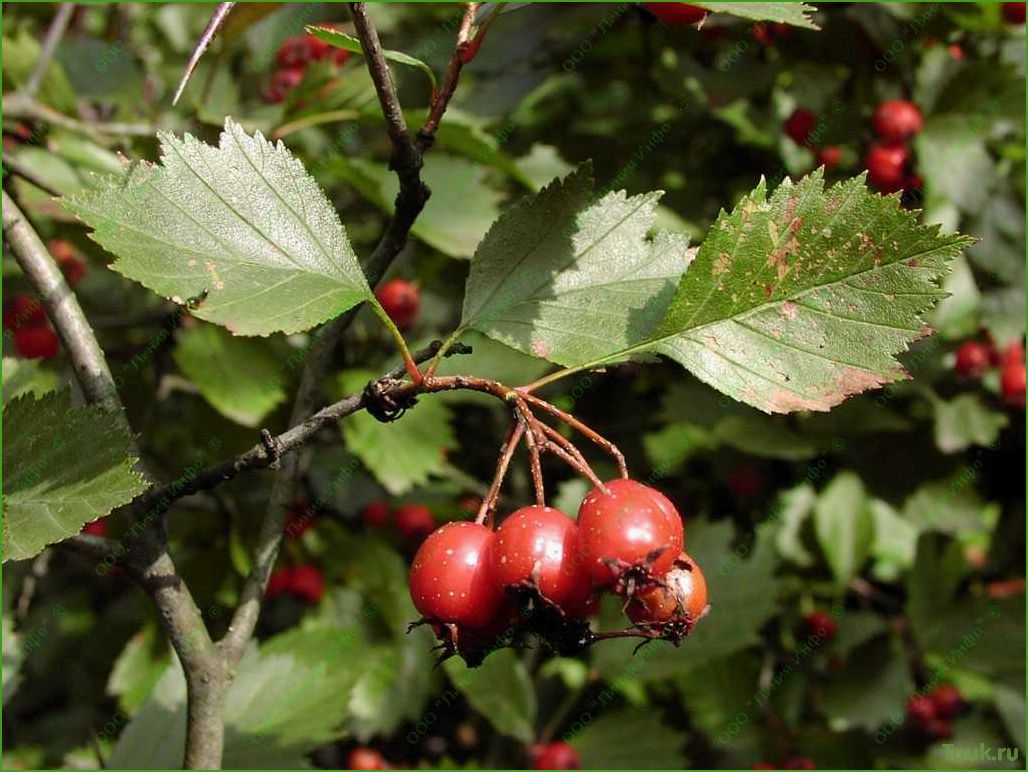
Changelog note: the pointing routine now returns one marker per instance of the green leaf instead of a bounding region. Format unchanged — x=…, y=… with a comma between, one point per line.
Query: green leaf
x=242, y=222
x=403, y=453
x=349, y=43
x=794, y=509
x=26, y=376
x=64, y=466
x=138, y=668
x=630, y=739
x=1010, y=704
x=501, y=690
x=764, y=436
x=957, y=167
x=241, y=377
x=895, y=541
x=965, y=421
x=394, y=686
x=797, y=301
x=796, y=14
x=872, y=688
x=844, y=526
x=950, y=506
x=21, y=52
x=723, y=694
x=561, y=279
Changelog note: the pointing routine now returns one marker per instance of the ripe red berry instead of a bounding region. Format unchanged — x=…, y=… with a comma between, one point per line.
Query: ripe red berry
x=677, y=13
x=96, y=528
x=414, y=522
x=540, y=545
x=763, y=765
x=821, y=625
x=556, y=756
x=683, y=598
x=628, y=525
x=896, y=120
x=829, y=157
x=956, y=53
x=36, y=342
x=973, y=358
x=376, y=514
x=887, y=166
x=921, y=709
x=282, y=82
x=1014, y=13
x=1012, y=384
x=745, y=481
x=799, y=125
x=295, y=51
x=799, y=762
x=23, y=311
x=451, y=579
x=401, y=300
x=366, y=758
x=1012, y=354
x=279, y=582
x=938, y=728
x=948, y=700
x=307, y=584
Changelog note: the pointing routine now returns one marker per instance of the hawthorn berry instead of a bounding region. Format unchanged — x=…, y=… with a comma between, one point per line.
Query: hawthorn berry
x=556, y=756
x=282, y=82
x=376, y=514
x=401, y=300
x=887, y=166
x=1014, y=13
x=96, y=528
x=366, y=758
x=949, y=702
x=1012, y=354
x=23, y=311
x=896, y=120
x=307, y=584
x=938, y=729
x=955, y=52
x=829, y=157
x=763, y=765
x=799, y=762
x=677, y=13
x=451, y=580
x=414, y=521
x=921, y=709
x=540, y=545
x=1012, y=384
x=299, y=518
x=766, y=34
x=972, y=359
x=799, y=125
x=294, y=52
x=629, y=525
x=682, y=598
x=38, y=342
x=72, y=266
x=821, y=625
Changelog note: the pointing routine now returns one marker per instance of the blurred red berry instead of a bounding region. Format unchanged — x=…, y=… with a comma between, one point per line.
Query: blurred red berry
x=1014, y=13
x=956, y=53
x=23, y=311
x=948, y=700
x=470, y=504
x=677, y=13
x=307, y=584
x=745, y=481
x=366, y=758
x=938, y=729
x=799, y=125
x=887, y=166
x=295, y=52
x=299, y=518
x=820, y=624
x=376, y=514
x=556, y=756
x=799, y=762
x=973, y=359
x=1012, y=384
x=401, y=300
x=763, y=765
x=1012, y=354
x=36, y=342
x=282, y=82
x=896, y=120
x=829, y=157
x=921, y=709
x=414, y=521
x=96, y=528
x=279, y=582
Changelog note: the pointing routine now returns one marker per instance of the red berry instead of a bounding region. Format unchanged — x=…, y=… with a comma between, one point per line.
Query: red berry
x=628, y=525
x=401, y=300
x=451, y=579
x=541, y=545
x=973, y=359
x=307, y=584
x=821, y=625
x=763, y=765
x=800, y=124
x=948, y=700
x=762, y=34
x=938, y=728
x=72, y=266
x=799, y=762
x=295, y=52
x=887, y=166
x=829, y=157
x=96, y=528
x=683, y=598
x=279, y=581
x=896, y=120
x=414, y=521
x=282, y=82
x=376, y=514
x=36, y=342
x=1011, y=384
x=23, y=311
x=1012, y=354
x=366, y=758
x=299, y=518
x=1013, y=13
x=956, y=53
x=677, y=13
x=746, y=481
x=921, y=709
x=556, y=756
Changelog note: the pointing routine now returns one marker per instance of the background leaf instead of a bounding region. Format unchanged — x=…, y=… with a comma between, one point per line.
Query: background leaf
x=501, y=690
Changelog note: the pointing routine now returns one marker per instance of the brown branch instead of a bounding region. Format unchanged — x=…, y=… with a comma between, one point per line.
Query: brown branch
x=574, y=423
x=53, y=37
x=21, y=106
x=488, y=506
x=29, y=175
x=216, y=20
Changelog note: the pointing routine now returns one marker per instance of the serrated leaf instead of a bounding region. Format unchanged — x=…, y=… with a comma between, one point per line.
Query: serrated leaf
x=403, y=453
x=349, y=43
x=965, y=421
x=844, y=526
x=630, y=739
x=561, y=279
x=242, y=222
x=26, y=376
x=796, y=14
x=798, y=300
x=64, y=466
x=240, y=377
x=501, y=690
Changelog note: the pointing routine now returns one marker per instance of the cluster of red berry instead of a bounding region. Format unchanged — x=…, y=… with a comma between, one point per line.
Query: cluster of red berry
x=799, y=127
x=1013, y=13
x=413, y=522
x=541, y=571
x=401, y=300
x=888, y=161
x=306, y=583
x=555, y=756
x=974, y=358
x=677, y=13
x=293, y=57
x=932, y=714
x=793, y=762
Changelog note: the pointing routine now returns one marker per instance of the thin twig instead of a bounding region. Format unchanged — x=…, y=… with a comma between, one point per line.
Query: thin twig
x=574, y=423
x=534, y=464
x=29, y=175
x=517, y=430
x=201, y=45
x=29, y=584
x=21, y=106
x=559, y=439
x=53, y=37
